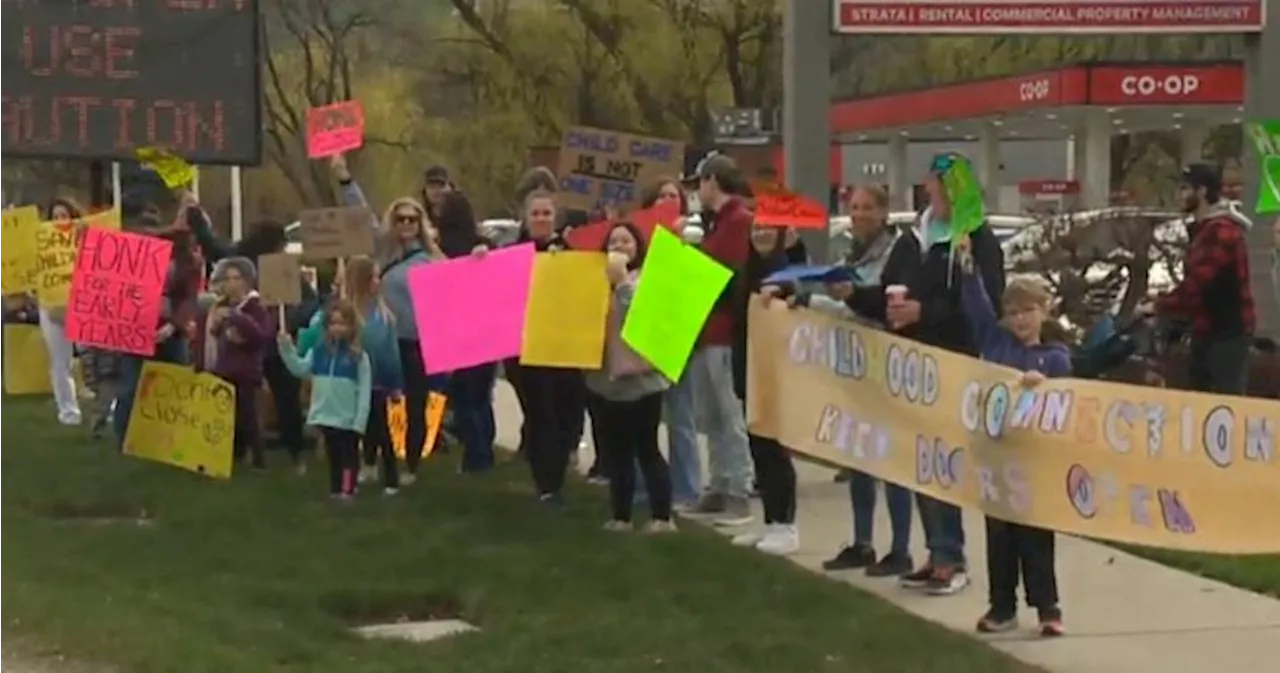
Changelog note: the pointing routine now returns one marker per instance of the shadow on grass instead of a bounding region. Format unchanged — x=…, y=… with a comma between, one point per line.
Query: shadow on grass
x=93, y=511
x=364, y=607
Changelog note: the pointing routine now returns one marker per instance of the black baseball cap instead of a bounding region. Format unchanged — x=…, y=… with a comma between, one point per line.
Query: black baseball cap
x=436, y=175
x=723, y=169
x=1207, y=176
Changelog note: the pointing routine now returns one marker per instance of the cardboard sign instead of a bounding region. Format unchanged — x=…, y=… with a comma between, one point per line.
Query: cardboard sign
x=398, y=423
x=334, y=129
x=331, y=233
x=19, y=261
x=183, y=419
x=116, y=289
x=789, y=210
x=173, y=170
x=601, y=168
x=280, y=279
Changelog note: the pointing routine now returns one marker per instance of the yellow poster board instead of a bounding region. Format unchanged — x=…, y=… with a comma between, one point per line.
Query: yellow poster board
x=26, y=361
x=56, y=246
x=18, y=249
x=398, y=422
x=1138, y=465
x=568, y=305
x=183, y=419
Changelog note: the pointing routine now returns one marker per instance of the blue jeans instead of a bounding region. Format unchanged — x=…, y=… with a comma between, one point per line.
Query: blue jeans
x=728, y=452
x=173, y=351
x=943, y=531
x=862, y=494
x=682, y=442
x=471, y=396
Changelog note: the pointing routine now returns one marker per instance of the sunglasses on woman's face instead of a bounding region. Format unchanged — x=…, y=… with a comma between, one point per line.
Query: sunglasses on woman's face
x=408, y=219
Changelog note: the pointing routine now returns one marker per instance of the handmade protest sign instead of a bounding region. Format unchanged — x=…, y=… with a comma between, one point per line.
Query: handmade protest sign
x=18, y=261
x=398, y=423
x=334, y=129
x=116, y=289
x=56, y=246
x=485, y=324
x=280, y=279
x=666, y=214
x=607, y=168
x=675, y=294
x=173, y=170
x=968, y=211
x=183, y=419
x=589, y=237
x=1126, y=463
x=332, y=233
x=568, y=303
x=785, y=209
x=26, y=361
x=1266, y=142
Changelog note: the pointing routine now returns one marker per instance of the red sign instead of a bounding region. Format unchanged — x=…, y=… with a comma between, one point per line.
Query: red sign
x=115, y=291
x=334, y=129
x=1048, y=16
x=1139, y=85
x=1048, y=187
x=666, y=213
x=789, y=210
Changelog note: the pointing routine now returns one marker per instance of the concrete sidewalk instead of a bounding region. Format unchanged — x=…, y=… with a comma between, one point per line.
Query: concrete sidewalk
x=1123, y=614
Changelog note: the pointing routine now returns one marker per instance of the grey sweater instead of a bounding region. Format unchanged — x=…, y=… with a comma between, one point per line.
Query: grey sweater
x=626, y=387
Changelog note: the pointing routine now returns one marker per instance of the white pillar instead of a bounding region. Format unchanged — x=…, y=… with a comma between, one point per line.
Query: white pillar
x=988, y=166
x=1093, y=159
x=237, y=205
x=898, y=173
x=806, y=100
x=117, y=193
x=1194, y=135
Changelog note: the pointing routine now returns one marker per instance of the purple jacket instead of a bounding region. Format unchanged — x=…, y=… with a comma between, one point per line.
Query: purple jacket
x=237, y=363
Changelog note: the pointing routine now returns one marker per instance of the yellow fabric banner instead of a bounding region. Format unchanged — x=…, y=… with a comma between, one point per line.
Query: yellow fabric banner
x=19, y=246
x=568, y=305
x=26, y=361
x=1126, y=463
x=56, y=246
x=183, y=419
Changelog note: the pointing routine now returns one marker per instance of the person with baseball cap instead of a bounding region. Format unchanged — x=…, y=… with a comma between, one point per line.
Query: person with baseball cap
x=1214, y=294
x=436, y=184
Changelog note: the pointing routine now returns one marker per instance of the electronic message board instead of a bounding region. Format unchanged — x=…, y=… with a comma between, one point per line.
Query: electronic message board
x=101, y=78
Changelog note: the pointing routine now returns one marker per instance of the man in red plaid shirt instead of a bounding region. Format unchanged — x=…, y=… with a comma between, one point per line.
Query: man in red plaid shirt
x=1214, y=294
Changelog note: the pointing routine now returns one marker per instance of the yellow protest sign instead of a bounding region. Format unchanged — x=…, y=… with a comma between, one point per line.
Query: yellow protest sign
x=26, y=361
x=398, y=422
x=568, y=304
x=1139, y=465
x=18, y=259
x=183, y=419
x=56, y=246
x=173, y=170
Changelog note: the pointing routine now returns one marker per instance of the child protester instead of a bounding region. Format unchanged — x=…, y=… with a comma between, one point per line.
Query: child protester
x=341, y=388
x=1016, y=342
x=231, y=345
x=628, y=399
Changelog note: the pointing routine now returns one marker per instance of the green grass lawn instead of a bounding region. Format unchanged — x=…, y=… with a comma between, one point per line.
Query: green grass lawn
x=263, y=573
x=1259, y=573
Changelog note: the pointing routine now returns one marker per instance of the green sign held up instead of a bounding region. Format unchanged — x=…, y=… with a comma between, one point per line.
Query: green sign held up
x=1266, y=142
x=968, y=211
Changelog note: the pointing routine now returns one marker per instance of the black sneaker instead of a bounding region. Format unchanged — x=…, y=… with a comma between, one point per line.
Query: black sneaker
x=851, y=557
x=893, y=564
x=917, y=579
x=553, y=499
x=998, y=621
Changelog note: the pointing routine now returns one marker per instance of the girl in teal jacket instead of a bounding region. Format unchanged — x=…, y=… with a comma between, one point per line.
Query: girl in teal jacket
x=341, y=388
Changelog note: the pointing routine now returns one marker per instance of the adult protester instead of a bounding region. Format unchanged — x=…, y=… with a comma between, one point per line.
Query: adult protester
x=178, y=309
x=775, y=471
x=932, y=307
x=404, y=239
x=471, y=389
x=267, y=237
x=552, y=399
x=882, y=256
x=727, y=223
x=64, y=213
x=436, y=185
x=1214, y=294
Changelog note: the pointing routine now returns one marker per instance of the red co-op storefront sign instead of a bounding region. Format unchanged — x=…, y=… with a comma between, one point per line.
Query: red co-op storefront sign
x=1211, y=84
x=1047, y=16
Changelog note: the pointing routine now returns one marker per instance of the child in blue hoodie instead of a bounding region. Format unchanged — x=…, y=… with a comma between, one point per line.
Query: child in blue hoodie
x=1015, y=342
x=341, y=388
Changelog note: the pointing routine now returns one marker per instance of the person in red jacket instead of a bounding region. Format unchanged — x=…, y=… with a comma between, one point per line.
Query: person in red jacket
x=727, y=238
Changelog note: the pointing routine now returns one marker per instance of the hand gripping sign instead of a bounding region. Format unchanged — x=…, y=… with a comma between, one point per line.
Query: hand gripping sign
x=334, y=129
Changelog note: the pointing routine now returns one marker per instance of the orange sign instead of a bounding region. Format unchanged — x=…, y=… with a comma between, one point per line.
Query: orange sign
x=790, y=210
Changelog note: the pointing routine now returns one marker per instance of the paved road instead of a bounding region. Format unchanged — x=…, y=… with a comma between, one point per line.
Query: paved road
x=1123, y=614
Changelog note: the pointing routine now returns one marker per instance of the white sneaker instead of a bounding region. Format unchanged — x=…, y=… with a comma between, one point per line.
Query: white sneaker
x=368, y=474
x=781, y=541
x=390, y=490
x=752, y=538
x=407, y=479
x=69, y=418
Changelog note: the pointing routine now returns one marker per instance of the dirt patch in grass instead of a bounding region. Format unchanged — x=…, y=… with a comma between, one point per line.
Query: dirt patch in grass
x=96, y=512
x=363, y=608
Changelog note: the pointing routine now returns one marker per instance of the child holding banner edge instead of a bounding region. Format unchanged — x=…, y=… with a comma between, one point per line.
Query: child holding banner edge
x=1015, y=342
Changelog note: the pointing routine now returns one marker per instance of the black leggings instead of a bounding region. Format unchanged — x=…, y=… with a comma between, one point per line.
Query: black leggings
x=629, y=434
x=343, y=450
x=377, y=440
x=1014, y=550
x=776, y=479
x=552, y=401
x=416, y=390
x=286, y=394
